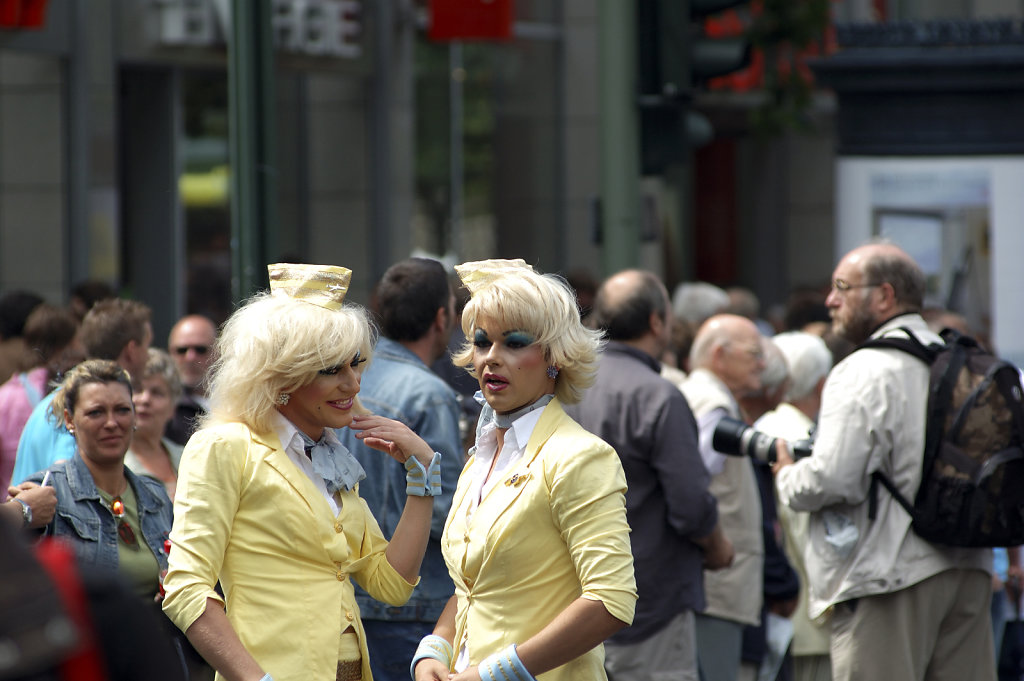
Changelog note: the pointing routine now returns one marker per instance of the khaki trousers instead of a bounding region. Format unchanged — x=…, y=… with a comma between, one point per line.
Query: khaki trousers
x=669, y=655
x=936, y=630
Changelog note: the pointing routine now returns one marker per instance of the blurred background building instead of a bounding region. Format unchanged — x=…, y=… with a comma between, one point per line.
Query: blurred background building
x=581, y=135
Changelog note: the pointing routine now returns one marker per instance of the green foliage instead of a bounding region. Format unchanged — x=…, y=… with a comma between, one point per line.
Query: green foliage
x=784, y=30
x=434, y=130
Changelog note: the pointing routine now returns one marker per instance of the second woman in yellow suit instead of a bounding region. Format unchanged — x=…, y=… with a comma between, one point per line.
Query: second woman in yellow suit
x=267, y=500
x=536, y=541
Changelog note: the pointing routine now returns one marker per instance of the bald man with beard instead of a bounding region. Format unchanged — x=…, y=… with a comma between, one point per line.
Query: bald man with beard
x=900, y=607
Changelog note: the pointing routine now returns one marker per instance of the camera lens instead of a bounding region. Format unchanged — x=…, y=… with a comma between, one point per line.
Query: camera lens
x=735, y=438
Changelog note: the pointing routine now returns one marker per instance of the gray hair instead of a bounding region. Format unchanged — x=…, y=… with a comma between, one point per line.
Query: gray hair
x=160, y=364
x=809, y=361
x=776, y=366
x=697, y=301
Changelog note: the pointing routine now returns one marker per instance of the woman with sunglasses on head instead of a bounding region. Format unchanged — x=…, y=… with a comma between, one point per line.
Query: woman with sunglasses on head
x=267, y=500
x=536, y=541
x=110, y=516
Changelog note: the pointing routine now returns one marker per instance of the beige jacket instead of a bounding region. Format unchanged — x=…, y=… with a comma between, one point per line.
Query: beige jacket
x=872, y=418
x=735, y=593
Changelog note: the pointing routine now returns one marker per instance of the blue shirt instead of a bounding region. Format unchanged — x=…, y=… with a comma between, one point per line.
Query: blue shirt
x=398, y=385
x=43, y=442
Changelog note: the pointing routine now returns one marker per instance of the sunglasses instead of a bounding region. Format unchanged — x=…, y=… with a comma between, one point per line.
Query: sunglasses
x=124, y=530
x=199, y=349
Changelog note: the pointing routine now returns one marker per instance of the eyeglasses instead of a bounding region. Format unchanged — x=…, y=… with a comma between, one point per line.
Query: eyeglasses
x=199, y=349
x=124, y=530
x=843, y=286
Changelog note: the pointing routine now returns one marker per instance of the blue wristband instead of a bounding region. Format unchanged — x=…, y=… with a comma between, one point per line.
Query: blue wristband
x=420, y=481
x=504, y=665
x=433, y=647
x=266, y=677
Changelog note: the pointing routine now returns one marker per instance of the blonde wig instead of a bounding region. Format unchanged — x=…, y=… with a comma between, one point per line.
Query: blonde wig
x=275, y=344
x=542, y=305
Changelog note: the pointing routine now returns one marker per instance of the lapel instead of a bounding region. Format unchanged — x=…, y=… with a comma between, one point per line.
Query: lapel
x=277, y=459
x=526, y=473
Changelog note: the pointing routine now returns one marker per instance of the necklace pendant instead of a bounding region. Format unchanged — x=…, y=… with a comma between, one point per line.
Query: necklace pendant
x=117, y=507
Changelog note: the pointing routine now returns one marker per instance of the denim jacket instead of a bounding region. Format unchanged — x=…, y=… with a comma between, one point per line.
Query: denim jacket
x=88, y=525
x=398, y=385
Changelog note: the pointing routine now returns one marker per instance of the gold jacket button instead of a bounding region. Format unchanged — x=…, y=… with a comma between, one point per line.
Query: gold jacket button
x=338, y=528
x=341, y=575
x=349, y=616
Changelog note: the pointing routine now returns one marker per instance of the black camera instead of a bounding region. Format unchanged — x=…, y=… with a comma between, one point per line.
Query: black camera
x=735, y=438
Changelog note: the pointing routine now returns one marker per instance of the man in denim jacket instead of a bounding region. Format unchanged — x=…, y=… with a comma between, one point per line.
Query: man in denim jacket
x=415, y=311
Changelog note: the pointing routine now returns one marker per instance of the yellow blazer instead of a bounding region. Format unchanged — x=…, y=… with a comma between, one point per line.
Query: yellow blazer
x=552, y=530
x=248, y=516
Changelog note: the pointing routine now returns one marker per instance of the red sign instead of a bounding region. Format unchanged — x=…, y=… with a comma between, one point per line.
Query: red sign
x=471, y=19
x=788, y=59
x=22, y=13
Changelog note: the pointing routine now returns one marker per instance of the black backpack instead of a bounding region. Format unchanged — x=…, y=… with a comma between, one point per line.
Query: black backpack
x=972, y=480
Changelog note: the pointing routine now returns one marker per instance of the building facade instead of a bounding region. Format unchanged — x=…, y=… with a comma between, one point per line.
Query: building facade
x=114, y=136
x=114, y=161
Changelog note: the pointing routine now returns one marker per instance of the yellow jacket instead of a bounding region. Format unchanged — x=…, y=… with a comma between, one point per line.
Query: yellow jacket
x=553, y=530
x=244, y=514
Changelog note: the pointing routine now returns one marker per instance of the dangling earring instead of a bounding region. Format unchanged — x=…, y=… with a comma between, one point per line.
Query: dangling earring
x=552, y=371
x=282, y=399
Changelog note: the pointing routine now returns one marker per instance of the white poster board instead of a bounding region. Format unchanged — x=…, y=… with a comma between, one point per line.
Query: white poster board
x=961, y=218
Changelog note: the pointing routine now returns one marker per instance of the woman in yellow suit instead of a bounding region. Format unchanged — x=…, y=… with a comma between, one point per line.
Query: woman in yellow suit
x=267, y=500
x=536, y=541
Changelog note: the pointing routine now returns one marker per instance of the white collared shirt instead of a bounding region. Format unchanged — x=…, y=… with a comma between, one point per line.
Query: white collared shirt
x=714, y=460
x=295, y=448
x=516, y=439
x=513, y=447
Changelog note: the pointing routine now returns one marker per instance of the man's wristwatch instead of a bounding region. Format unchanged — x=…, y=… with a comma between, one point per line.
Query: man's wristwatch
x=26, y=512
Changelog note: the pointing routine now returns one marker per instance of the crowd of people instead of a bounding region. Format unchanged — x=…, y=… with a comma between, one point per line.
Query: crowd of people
x=311, y=491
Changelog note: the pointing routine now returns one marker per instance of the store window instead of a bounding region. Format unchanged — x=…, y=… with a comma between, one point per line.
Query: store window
x=488, y=146
x=33, y=189
x=204, y=187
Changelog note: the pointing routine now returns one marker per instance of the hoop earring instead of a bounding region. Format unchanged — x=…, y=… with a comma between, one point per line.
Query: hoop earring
x=282, y=399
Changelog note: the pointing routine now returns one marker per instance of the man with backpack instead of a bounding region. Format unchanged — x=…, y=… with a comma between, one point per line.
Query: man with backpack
x=901, y=607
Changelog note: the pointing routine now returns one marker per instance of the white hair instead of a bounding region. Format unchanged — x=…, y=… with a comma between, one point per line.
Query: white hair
x=809, y=361
x=776, y=365
x=698, y=301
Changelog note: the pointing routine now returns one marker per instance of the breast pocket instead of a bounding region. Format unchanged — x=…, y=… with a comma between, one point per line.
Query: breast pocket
x=82, y=533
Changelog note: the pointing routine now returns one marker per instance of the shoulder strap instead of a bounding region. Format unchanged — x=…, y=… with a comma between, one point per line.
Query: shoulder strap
x=910, y=345
x=927, y=354
x=33, y=394
x=879, y=476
